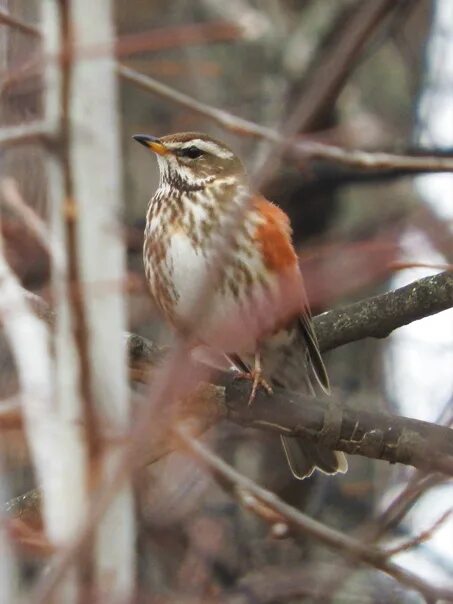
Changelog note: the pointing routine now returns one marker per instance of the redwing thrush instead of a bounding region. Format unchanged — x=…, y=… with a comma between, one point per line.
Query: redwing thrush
x=257, y=314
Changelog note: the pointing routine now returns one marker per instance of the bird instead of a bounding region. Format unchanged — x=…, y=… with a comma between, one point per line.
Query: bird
x=257, y=314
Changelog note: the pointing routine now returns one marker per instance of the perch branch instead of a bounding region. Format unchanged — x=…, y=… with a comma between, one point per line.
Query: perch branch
x=391, y=438
x=357, y=432
x=374, y=317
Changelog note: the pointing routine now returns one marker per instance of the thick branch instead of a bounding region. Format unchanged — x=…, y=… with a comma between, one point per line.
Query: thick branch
x=375, y=435
x=371, y=434
x=327, y=421
x=378, y=316
x=374, y=317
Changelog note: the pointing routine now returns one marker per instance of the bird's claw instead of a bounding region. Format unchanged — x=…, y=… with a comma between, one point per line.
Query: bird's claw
x=257, y=379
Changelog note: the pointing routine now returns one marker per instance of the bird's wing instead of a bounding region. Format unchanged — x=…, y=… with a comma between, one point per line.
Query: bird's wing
x=314, y=354
x=274, y=236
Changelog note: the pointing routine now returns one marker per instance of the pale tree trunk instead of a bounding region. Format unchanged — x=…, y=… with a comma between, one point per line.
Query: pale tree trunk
x=96, y=171
x=85, y=186
x=8, y=567
x=68, y=508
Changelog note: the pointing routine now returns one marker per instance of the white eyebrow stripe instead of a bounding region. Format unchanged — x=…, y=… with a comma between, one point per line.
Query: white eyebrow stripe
x=208, y=146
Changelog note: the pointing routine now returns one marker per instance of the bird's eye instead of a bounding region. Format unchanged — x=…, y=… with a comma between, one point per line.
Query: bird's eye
x=192, y=152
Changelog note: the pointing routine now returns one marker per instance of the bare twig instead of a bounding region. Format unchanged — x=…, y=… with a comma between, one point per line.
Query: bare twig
x=27, y=28
x=300, y=148
x=299, y=522
x=23, y=134
x=14, y=201
x=332, y=71
x=421, y=538
x=377, y=527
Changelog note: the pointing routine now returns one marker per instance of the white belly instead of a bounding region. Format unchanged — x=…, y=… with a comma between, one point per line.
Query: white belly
x=189, y=271
x=220, y=317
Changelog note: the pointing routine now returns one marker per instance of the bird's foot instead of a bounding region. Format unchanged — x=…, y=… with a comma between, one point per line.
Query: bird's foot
x=257, y=379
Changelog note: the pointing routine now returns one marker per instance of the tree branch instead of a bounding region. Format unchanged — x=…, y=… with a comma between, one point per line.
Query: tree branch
x=24, y=134
x=301, y=148
x=374, y=317
x=27, y=28
x=370, y=434
x=376, y=435
x=273, y=509
x=378, y=316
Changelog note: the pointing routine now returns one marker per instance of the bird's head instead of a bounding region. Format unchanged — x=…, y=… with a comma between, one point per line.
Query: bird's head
x=191, y=160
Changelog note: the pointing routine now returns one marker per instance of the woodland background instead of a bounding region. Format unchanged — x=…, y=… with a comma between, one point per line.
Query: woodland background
x=359, y=74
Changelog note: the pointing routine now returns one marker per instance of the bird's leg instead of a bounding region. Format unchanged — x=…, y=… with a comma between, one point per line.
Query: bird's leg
x=256, y=375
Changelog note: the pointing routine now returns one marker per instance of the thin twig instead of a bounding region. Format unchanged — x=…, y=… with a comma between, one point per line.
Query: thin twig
x=12, y=198
x=300, y=148
x=421, y=538
x=332, y=71
x=27, y=28
x=24, y=134
x=299, y=522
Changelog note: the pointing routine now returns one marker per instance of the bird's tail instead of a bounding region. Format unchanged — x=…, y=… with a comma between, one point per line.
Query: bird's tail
x=298, y=364
x=305, y=457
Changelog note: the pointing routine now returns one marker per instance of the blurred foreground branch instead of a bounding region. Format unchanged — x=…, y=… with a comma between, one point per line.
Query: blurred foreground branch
x=375, y=435
x=374, y=317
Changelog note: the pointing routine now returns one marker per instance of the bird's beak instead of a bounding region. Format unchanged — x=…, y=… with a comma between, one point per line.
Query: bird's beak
x=152, y=142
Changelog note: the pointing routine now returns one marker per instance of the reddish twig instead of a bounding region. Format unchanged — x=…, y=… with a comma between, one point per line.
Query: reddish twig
x=12, y=198
x=27, y=28
x=421, y=538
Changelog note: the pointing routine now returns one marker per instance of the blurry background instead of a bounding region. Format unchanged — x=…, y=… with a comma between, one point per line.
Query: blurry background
x=388, y=67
